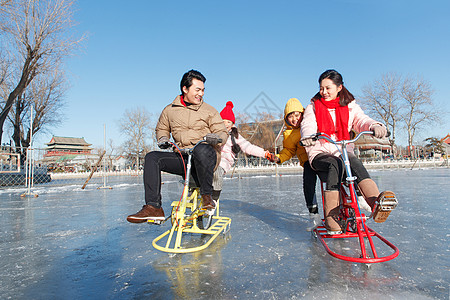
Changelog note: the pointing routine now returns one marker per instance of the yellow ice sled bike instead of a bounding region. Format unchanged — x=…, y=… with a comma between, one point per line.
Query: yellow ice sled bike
x=188, y=217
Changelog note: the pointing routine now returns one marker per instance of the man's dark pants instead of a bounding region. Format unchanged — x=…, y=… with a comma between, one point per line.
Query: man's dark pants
x=203, y=163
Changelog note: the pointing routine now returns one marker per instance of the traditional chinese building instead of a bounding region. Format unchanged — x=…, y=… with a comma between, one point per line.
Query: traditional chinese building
x=61, y=146
x=370, y=146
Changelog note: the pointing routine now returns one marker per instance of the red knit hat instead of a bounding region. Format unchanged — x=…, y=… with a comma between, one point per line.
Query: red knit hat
x=227, y=112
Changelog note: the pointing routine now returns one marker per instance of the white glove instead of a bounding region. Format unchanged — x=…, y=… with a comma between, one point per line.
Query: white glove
x=379, y=131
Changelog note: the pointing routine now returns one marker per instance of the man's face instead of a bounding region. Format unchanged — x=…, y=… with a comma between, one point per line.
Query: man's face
x=194, y=94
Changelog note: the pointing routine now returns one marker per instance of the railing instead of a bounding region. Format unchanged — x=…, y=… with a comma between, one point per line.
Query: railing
x=21, y=167
x=255, y=163
x=44, y=172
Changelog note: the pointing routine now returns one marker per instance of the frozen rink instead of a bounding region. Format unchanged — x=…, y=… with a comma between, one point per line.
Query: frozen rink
x=70, y=243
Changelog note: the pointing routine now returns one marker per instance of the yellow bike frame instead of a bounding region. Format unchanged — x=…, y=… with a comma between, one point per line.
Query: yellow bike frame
x=182, y=222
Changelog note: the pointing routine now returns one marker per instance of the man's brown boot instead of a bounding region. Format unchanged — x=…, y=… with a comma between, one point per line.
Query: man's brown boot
x=147, y=212
x=208, y=202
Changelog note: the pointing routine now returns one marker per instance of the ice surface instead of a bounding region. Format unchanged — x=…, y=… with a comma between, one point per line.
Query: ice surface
x=76, y=244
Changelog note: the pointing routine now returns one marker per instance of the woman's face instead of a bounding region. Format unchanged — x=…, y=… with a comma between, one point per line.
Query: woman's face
x=328, y=90
x=228, y=124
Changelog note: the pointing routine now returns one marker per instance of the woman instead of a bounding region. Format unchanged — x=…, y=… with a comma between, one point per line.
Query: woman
x=334, y=112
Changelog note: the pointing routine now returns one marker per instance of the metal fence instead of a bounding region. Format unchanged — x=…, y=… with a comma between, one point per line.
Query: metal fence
x=21, y=167
x=30, y=168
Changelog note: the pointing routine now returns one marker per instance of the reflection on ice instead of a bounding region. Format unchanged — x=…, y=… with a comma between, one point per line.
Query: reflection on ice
x=73, y=243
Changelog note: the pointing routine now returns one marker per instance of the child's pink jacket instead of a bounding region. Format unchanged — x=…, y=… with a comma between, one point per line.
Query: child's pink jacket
x=357, y=120
x=228, y=157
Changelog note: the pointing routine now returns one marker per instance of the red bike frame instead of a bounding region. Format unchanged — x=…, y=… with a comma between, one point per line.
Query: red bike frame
x=354, y=221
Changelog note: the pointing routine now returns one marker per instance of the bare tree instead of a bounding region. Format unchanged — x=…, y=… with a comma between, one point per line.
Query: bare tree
x=265, y=135
x=434, y=145
x=110, y=153
x=4, y=69
x=135, y=125
x=45, y=95
x=382, y=99
x=261, y=132
x=242, y=122
x=39, y=39
x=401, y=102
x=419, y=110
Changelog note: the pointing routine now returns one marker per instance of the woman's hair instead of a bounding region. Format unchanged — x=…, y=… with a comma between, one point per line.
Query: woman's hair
x=186, y=80
x=345, y=97
x=234, y=135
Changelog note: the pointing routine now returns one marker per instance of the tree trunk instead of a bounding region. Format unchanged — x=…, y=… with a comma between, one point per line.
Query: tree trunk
x=24, y=81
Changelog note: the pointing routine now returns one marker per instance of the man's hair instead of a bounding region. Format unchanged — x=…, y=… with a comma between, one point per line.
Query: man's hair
x=188, y=77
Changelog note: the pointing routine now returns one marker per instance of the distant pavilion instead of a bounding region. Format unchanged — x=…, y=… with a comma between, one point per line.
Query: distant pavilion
x=62, y=146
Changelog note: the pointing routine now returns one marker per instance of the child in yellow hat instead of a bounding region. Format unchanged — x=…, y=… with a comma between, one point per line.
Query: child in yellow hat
x=293, y=115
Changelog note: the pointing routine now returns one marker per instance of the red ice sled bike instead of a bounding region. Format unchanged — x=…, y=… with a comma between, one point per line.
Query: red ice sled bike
x=354, y=222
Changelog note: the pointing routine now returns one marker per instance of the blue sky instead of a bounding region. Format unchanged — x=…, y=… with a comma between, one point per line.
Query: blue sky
x=137, y=52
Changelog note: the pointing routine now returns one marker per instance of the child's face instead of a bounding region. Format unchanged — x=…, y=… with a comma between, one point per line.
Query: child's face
x=295, y=118
x=228, y=124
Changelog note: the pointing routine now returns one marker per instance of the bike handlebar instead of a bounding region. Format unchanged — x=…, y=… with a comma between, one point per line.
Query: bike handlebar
x=205, y=140
x=323, y=136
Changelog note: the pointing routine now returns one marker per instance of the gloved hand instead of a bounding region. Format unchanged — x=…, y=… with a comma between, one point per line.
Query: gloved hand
x=379, y=131
x=307, y=141
x=272, y=157
x=164, y=142
x=213, y=139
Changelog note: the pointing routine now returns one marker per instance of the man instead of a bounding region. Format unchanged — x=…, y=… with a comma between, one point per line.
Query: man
x=189, y=120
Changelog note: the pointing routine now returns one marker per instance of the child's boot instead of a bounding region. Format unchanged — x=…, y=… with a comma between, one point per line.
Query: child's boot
x=331, y=208
x=216, y=194
x=314, y=221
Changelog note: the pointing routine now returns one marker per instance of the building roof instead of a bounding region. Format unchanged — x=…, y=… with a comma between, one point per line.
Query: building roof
x=68, y=141
x=68, y=147
x=369, y=142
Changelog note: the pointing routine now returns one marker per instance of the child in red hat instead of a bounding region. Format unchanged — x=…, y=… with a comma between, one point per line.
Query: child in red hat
x=231, y=148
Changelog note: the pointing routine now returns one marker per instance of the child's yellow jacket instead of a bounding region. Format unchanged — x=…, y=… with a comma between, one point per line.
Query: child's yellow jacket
x=292, y=136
